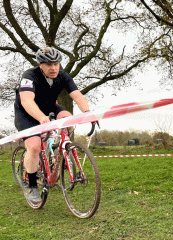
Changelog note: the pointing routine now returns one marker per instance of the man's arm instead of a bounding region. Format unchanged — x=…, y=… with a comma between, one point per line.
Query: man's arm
x=80, y=100
x=28, y=103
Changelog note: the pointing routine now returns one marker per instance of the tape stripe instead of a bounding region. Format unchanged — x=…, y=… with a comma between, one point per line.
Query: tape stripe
x=123, y=156
x=141, y=155
x=100, y=114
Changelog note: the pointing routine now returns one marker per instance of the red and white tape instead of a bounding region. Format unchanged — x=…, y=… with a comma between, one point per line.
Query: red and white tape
x=122, y=156
x=144, y=155
x=98, y=115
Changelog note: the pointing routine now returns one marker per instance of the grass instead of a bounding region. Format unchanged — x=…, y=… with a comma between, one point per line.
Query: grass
x=136, y=203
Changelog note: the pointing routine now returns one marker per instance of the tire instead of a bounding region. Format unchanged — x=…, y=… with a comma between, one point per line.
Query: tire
x=21, y=177
x=42, y=184
x=17, y=157
x=83, y=195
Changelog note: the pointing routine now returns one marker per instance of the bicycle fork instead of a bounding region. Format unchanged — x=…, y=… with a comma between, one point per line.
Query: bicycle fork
x=69, y=163
x=67, y=159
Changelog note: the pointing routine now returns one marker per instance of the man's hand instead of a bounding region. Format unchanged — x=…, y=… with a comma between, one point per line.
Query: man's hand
x=44, y=120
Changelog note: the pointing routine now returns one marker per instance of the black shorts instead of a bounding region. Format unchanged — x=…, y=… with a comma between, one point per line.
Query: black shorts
x=24, y=121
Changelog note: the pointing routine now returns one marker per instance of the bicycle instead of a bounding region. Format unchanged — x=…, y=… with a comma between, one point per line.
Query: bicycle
x=72, y=164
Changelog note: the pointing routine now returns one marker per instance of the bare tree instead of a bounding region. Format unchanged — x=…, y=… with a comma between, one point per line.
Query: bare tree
x=163, y=125
x=162, y=12
x=78, y=32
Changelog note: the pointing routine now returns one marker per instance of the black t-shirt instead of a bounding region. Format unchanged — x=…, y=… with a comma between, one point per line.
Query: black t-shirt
x=45, y=95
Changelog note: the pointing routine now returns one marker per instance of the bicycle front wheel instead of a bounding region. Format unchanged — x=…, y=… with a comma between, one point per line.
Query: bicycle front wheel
x=83, y=194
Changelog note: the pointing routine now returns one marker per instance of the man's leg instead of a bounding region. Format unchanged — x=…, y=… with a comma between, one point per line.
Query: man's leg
x=64, y=114
x=31, y=162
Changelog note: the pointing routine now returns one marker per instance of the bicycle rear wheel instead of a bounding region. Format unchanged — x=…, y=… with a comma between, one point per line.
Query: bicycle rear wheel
x=83, y=195
x=41, y=183
x=17, y=157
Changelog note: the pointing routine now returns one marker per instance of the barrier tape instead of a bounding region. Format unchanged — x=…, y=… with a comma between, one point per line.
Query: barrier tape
x=141, y=155
x=123, y=156
x=97, y=115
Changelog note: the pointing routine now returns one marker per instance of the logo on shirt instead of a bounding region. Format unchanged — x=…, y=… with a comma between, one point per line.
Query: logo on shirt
x=26, y=83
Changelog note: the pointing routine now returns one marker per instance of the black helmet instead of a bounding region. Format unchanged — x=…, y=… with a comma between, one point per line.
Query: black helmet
x=49, y=54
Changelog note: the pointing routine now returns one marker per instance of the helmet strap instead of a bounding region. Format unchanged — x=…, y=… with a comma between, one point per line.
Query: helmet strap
x=49, y=80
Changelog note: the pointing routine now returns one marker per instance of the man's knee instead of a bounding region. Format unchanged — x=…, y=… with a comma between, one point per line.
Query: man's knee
x=63, y=114
x=33, y=144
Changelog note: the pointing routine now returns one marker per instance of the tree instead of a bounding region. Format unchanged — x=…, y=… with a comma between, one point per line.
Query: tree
x=162, y=12
x=79, y=33
x=162, y=137
x=163, y=125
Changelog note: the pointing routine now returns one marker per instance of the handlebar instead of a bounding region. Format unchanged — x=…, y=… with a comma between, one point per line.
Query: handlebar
x=51, y=118
x=93, y=128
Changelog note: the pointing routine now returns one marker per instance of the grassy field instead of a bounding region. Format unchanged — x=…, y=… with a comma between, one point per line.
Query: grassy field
x=136, y=202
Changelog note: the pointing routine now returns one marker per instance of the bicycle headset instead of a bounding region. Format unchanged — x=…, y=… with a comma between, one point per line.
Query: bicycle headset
x=49, y=54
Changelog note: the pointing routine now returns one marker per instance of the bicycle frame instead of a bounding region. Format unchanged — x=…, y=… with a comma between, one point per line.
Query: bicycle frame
x=53, y=176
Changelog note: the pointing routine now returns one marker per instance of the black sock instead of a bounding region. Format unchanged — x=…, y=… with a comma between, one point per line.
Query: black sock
x=32, y=180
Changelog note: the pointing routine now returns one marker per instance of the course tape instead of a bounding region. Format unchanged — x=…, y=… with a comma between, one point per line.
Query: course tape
x=97, y=115
x=141, y=155
x=124, y=156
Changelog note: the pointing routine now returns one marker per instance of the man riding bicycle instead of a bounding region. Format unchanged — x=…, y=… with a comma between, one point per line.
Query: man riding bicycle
x=35, y=99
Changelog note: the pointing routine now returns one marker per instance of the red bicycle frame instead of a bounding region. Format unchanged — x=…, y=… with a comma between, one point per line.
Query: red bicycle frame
x=52, y=176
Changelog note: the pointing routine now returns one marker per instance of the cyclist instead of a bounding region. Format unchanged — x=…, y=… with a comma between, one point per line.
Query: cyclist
x=35, y=99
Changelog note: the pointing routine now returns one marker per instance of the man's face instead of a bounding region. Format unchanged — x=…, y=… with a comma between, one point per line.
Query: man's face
x=51, y=70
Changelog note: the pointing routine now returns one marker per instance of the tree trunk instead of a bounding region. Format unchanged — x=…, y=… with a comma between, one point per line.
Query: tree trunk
x=65, y=101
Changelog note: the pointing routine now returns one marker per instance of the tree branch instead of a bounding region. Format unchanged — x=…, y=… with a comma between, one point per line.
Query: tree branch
x=158, y=18
x=73, y=59
x=18, y=29
x=166, y=7
x=18, y=48
x=26, y=55
x=98, y=43
x=112, y=77
x=56, y=19
x=49, y=6
x=37, y=19
x=54, y=4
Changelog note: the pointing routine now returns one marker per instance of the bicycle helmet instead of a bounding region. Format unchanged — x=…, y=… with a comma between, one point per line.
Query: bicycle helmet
x=49, y=54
